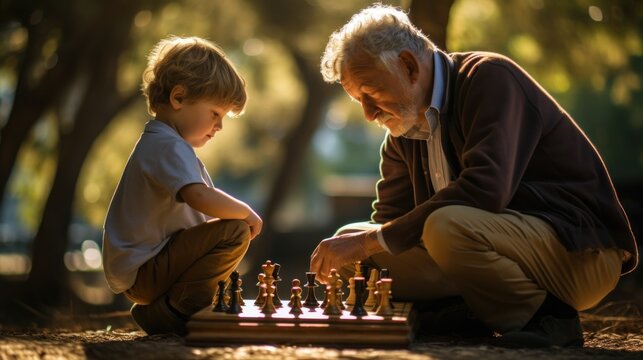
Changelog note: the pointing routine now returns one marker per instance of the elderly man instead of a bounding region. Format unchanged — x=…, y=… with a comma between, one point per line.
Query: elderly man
x=489, y=190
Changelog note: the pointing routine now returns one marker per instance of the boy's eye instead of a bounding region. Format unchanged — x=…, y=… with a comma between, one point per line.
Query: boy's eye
x=215, y=114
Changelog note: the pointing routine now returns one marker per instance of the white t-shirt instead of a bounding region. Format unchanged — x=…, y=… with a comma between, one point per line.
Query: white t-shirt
x=146, y=209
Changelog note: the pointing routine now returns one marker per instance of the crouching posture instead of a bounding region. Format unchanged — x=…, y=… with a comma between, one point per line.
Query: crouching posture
x=489, y=190
x=170, y=235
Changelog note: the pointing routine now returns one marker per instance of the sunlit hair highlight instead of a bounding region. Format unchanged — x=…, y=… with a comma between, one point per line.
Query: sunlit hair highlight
x=200, y=67
x=380, y=31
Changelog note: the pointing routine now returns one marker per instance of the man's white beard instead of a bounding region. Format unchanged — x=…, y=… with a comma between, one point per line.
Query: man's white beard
x=406, y=122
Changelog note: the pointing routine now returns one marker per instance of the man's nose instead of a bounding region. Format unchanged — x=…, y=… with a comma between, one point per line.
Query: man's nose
x=370, y=111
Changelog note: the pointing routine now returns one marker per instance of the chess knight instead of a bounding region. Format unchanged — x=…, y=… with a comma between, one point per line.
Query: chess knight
x=489, y=190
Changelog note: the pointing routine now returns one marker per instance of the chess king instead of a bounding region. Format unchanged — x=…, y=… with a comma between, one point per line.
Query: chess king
x=489, y=190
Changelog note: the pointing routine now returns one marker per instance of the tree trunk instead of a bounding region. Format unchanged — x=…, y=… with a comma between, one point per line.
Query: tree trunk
x=100, y=104
x=432, y=17
x=30, y=102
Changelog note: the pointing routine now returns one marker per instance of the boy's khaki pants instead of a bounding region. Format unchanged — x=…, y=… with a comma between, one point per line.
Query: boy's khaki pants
x=190, y=266
x=503, y=265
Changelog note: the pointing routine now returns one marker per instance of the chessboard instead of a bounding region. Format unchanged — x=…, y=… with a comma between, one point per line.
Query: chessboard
x=207, y=328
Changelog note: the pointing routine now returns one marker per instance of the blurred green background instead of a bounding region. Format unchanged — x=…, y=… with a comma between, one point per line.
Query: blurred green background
x=302, y=155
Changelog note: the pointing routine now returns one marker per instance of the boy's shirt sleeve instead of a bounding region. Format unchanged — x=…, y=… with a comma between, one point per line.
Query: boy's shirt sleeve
x=174, y=166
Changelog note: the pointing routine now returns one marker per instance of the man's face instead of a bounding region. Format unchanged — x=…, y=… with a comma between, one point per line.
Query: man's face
x=385, y=97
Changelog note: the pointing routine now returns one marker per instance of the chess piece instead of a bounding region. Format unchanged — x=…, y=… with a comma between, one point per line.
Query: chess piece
x=234, y=307
x=371, y=300
x=325, y=301
x=268, y=303
x=358, y=308
x=275, y=274
x=339, y=293
x=311, y=300
x=262, y=289
x=220, y=303
x=377, y=295
x=295, y=298
x=384, y=274
x=334, y=283
x=241, y=301
x=350, y=299
x=385, y=308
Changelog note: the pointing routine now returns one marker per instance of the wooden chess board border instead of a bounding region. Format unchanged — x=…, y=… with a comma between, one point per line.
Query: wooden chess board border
x=207, y=328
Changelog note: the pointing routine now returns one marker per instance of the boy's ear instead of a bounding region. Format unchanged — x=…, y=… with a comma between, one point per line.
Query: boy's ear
x=177, y=97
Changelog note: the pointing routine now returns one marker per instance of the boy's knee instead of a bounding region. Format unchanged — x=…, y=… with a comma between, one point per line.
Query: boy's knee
x=236, y=231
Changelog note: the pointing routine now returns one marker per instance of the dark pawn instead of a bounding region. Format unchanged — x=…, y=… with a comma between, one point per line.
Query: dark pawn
x=311, y=300
x=235, y=307
x=221, y=305
x=358, y=308
x=276, y=300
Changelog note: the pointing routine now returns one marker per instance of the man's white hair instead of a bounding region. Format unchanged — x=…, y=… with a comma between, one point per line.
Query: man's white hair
x=381, y=31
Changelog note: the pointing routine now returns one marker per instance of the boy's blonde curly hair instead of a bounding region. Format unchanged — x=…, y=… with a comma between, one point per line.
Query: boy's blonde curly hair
x=198, y=65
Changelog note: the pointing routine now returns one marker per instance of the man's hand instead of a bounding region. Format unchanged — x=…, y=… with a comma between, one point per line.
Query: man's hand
x=335, y=252
x=255, y=223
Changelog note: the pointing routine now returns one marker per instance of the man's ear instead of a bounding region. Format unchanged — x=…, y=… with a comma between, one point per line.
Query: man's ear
x=410, y=66
x=177, y=97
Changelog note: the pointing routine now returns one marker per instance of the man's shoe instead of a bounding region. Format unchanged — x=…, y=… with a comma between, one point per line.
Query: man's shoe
x=546, y=331
x=158, y=318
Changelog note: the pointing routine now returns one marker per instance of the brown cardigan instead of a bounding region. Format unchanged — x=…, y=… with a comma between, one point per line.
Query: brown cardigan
x=509, y=145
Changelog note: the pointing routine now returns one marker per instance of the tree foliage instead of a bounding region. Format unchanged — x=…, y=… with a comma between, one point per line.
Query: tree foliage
x=71, y=111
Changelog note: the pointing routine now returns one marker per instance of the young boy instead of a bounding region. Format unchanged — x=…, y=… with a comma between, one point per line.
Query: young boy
x=170, y=235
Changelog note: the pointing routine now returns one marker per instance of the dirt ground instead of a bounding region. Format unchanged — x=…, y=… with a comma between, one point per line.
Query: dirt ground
x=606, y=337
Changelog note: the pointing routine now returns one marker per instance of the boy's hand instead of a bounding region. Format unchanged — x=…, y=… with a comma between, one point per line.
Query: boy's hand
x=255, y=223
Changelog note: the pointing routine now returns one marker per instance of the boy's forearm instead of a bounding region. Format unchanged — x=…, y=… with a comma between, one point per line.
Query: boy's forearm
x=214, y=202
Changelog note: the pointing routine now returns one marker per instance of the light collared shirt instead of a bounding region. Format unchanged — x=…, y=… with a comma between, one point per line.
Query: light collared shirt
x=440, y=172
x=146, y=209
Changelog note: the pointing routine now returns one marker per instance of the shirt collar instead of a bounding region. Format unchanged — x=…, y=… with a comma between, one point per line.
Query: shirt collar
x=159, y=127
x=439, y=83
x=439, y=89
x=438, y=98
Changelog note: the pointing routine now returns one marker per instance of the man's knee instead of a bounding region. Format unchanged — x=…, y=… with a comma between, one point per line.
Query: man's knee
x=445, y=233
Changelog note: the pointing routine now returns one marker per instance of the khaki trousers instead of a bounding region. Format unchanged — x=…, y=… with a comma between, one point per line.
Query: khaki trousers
x=190, y=266
x=503, y=265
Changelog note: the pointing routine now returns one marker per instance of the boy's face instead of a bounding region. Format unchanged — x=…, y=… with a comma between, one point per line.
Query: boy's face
x=198, y=121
